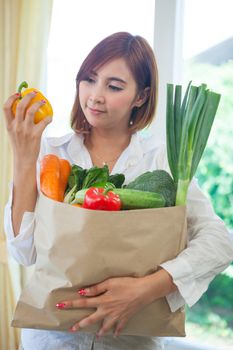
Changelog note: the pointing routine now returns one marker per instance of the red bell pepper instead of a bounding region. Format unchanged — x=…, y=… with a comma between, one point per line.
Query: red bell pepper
x=99, y=198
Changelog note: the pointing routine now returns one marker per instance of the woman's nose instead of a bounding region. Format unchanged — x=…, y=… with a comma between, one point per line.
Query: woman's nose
x=97, y=96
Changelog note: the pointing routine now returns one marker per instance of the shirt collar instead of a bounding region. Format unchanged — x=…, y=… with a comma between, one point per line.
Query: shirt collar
x=59, y=141
x=135, y=151
x=130, y=156
x=78, y=153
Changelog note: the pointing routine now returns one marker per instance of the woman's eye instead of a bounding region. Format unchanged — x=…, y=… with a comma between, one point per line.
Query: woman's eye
x=89, y=80
x=115, y=88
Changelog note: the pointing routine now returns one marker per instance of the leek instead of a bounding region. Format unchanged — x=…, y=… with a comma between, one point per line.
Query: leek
x=188, y=125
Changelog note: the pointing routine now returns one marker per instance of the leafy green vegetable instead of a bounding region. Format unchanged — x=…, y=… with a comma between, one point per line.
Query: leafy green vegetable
x=76, y=177
x=96, y=175
x=157, y=181
x=117, y=180
x=69, y=197
x=188, y=128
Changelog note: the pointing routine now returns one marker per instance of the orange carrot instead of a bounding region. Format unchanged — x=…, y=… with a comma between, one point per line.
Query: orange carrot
x=54, y=175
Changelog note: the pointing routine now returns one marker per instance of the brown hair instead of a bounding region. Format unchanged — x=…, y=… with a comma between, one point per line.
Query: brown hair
x=141, y=61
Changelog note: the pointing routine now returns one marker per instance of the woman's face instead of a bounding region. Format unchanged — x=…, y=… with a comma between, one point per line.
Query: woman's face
x=108, y=95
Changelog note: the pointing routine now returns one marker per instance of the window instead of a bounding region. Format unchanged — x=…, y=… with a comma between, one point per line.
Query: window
x=76, y=28
x=208, y=58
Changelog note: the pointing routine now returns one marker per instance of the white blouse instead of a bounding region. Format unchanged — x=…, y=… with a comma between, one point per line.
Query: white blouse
x=209, y=250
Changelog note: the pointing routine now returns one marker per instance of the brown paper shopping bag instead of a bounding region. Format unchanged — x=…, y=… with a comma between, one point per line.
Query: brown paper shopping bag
x=78, y=247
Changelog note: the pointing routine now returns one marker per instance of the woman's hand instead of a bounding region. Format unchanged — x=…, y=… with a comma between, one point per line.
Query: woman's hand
x=117, y=299
x=25, y=136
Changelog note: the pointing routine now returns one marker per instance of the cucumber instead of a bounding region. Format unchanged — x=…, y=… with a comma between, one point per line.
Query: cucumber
x=135, y=199
x=131, y=199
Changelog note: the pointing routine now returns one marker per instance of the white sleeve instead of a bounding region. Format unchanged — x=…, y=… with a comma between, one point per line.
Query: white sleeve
x=20, y=247
x=209, y=251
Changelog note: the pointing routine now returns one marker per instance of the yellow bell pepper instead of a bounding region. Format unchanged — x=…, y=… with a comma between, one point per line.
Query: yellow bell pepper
x=43, y=112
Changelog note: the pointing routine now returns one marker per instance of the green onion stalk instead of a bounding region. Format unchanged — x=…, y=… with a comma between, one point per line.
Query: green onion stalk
x=188, y=125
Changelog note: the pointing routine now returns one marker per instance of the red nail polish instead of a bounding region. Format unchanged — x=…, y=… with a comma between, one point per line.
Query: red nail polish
x=82, y=292
x=60, y=305
x=18, y=94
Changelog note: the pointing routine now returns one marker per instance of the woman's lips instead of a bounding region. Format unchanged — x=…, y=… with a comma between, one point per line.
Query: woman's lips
x=95, y=111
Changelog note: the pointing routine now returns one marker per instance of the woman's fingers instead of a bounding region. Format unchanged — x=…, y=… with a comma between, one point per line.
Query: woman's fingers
x=96, y=289
x=107, y=325
x=87, y=321
x=115, y=299
x=120, y=326
x=22, y=107
x=31, y=111
x=43, y=123
x=23, y=112
x=25, y=136
x=7, y=109
x=79, y=303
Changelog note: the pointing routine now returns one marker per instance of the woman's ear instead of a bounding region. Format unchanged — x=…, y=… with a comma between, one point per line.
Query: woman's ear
x=142, y=97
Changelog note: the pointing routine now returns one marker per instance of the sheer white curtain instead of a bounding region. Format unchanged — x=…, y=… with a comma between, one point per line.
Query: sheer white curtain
x=24, y=31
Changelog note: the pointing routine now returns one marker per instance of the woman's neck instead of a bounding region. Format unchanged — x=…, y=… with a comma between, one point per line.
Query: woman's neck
x=106, y=147
x=107, y=140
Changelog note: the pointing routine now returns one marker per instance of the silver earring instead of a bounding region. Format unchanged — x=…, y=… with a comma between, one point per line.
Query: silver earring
x=131, y=122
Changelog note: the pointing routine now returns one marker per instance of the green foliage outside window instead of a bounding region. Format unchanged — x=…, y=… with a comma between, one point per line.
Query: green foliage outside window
x=215, y=171
x=213, y=314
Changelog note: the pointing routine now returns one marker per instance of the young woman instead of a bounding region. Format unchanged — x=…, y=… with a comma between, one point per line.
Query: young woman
x=116, y=98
